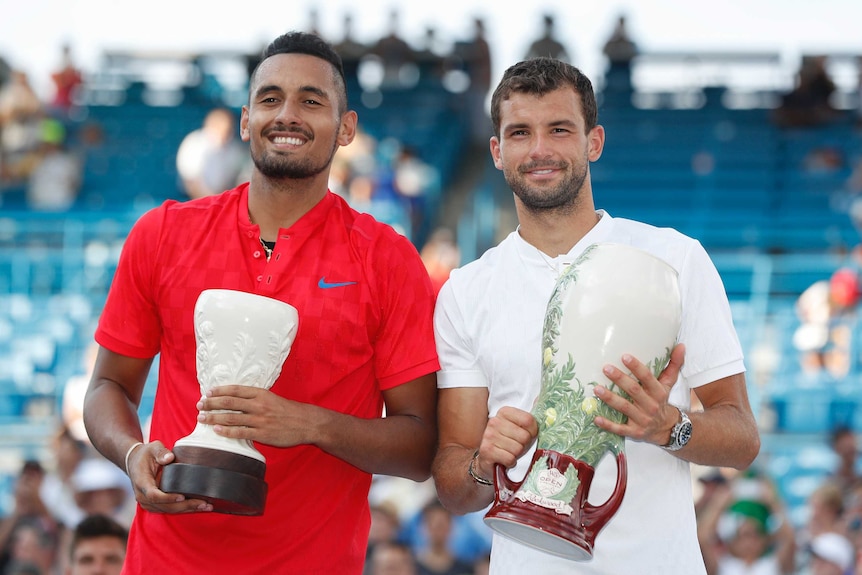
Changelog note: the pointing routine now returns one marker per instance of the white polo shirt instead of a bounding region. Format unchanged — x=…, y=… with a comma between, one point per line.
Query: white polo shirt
x=488, y=325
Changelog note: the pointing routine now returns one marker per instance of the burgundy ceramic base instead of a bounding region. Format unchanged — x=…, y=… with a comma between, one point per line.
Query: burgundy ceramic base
x=564, y=542
x=231, y=482
x=570, y=535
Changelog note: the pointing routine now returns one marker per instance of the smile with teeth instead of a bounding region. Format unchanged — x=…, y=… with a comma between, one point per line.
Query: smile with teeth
x=287, y=140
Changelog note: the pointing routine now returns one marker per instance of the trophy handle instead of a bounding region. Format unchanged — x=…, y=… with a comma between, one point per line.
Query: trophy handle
x=502, y=481
x=594, y=517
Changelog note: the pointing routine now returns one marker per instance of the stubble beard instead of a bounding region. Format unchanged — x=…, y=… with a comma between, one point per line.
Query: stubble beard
x=564, y=197
x=282, y=166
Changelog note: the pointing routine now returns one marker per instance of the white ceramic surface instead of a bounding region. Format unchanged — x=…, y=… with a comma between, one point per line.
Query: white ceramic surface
x=624, y=300
x=242, y=339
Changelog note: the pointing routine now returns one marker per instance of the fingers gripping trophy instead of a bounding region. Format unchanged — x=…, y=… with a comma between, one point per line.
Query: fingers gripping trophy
x=242, y=339
x=615, y=299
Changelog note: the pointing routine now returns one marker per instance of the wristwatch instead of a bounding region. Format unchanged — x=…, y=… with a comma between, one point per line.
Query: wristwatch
x=680, y=434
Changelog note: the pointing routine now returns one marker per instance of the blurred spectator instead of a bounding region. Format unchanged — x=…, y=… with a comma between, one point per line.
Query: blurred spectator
x=436, y=556
x=57, y=490
x=392, y=558
x=711, y=482
x=825, y=513
x=808, y=104
x=72, y=403
x=34, y=550
x=393, y=51
x=415, y=180
x=475, y=57
x=620, y=50
x=21, y=115
x=823, y=336
x=350, y=49
x=846, y=473
x=831, y=554
x=385, y=525
x=547, y=44
x=101, y=488
x=744, y=529
x=66, y=79
x=853, y=523
x=211, y=158
x=441, y=255
x=5, y=71
x=430, y=56
x=55, y=181
x=482, y=565
x=30, y=528
x=98, y=547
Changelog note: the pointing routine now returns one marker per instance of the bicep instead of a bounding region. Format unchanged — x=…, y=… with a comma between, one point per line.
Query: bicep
x=416, y=398
x=462, y=414
x=728, y=391
x=127, y=373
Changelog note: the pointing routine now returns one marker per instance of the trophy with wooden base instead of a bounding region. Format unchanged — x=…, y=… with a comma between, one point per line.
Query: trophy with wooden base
x=242, y=339
x=615, y=299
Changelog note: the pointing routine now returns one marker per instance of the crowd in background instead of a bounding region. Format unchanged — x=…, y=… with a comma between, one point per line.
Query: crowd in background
x=743, y=522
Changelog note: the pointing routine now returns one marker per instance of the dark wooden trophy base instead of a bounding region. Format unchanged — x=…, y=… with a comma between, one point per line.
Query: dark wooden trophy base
x=231, y=482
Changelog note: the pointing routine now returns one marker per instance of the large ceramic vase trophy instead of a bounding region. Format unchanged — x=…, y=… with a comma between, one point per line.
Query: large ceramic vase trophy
x=615, y=299
x=242, y=339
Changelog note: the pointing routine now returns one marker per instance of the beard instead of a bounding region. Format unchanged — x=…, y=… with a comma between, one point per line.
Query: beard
x=283, y=166
x=563, y=196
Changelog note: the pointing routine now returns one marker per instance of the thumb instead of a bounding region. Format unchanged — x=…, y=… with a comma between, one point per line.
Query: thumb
x=670, y=373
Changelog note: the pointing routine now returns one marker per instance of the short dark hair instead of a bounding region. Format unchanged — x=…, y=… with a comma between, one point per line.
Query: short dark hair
x=539, y=76
x=311, y=45
x=94, y=526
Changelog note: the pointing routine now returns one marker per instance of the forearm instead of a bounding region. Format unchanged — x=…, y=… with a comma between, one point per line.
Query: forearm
x=398, y=445
x=722, y=436
x=111, y=420
x=458, y=492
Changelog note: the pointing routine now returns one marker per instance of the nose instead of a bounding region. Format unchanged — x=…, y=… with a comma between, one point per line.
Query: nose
x=288, y=113
x=540, y=146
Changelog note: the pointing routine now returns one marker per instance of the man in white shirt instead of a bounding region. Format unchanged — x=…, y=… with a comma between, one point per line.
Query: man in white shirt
x=488, y=324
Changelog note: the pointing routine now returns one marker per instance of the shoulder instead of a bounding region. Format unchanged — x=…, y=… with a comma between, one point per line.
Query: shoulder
x=496, y=261
x=668, y=244
x=179, y=217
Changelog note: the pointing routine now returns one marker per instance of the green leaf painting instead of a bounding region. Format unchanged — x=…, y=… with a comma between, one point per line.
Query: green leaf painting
x=565, y=410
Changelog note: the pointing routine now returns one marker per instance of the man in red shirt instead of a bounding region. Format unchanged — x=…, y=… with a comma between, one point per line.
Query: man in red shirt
x=364, y=342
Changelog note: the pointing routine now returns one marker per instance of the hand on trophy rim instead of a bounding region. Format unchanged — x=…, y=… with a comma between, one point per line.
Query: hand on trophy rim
x=507, y=436
x=145, y=464
x=650, y=416
x=256, y=414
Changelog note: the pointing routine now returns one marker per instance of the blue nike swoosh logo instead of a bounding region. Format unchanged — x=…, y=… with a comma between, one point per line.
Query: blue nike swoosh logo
x=323, y=284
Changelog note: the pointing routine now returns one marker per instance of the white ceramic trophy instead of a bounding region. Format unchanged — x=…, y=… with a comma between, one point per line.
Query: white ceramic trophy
x=615, y=299
x=242, y=339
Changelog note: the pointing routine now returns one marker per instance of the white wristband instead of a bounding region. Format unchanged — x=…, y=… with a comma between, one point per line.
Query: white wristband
x=129, y=452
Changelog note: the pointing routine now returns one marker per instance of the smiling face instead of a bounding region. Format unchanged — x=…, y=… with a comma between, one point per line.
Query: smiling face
x=295, y=118
x=544, y=149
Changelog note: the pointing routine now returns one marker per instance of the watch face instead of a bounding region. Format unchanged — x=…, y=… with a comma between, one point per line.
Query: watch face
x=684, y=433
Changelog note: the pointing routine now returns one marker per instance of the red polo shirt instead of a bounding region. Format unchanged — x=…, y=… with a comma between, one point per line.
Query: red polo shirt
x=365, y=308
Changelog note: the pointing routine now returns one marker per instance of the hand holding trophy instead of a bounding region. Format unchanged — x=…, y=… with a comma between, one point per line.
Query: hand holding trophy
x=242, y=339
x=615, y=299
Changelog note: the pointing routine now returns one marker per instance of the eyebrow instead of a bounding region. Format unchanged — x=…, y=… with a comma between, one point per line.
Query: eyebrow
x=275, y=88
x=554, y=124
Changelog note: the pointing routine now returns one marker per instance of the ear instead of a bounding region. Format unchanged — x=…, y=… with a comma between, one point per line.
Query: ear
x=596, y=139
x=496, y=153
x=347, y=129
x=243, y=125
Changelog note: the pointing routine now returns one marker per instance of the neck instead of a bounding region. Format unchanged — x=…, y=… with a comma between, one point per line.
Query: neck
x=555, y=234
x=279, y=205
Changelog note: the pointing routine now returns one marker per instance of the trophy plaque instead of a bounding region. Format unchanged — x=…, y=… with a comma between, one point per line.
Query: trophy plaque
x=615, y=299
x=242, y=339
